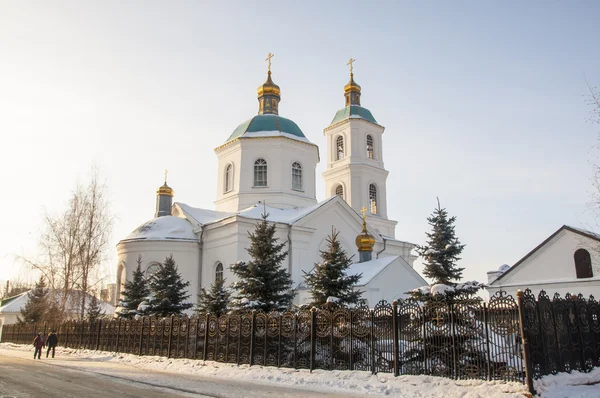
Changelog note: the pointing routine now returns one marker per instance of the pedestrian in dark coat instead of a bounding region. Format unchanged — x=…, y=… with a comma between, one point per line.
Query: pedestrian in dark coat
x=51, y=342
x=38, y=343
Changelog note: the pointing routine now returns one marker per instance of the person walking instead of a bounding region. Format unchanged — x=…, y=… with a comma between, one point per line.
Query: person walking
x=38, y=343
x=51, y=342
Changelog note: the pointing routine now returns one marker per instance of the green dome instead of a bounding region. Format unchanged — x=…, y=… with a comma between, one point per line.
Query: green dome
x=354, y=112
x=269, y=124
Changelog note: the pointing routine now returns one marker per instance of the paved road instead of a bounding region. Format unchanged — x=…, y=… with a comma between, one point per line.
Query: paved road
x=75, y=377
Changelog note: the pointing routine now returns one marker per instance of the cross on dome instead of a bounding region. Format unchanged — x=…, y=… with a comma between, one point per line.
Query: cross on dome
x=268, y=59
x=349, y=63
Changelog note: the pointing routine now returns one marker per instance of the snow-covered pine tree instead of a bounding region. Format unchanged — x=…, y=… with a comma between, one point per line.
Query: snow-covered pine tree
x=38, y=304
x=328, y=278
x=94, y=309
x=215, y=300
x=168, y=294
x=134, y=293
x=442, y=250
x=263, y=283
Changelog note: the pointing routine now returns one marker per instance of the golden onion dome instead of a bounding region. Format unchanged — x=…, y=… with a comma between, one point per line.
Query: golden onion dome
x=352, y=86
x=165, y=190
x=268, y=88
x=365, y=241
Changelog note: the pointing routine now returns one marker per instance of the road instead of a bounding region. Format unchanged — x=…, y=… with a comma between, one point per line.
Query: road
x=22, y=377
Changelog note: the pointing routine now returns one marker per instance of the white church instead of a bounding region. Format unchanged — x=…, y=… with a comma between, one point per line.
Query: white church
x=268, y=164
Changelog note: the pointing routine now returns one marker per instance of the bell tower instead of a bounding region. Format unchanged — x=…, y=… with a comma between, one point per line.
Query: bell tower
x=355, y=169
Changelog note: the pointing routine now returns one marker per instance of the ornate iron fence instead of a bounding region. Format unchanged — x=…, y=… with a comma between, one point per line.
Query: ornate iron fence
x=463, y=340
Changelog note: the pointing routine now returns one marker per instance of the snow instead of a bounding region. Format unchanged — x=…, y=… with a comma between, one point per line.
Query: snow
x=441, y=289
x=15, y=305
x=164, y=228
x=349, y=383
x=275, y=133
x=255, y=212
x=573, y=385
x=370, y=269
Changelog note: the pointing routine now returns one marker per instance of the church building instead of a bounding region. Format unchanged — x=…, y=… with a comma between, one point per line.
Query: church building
x=268, y=165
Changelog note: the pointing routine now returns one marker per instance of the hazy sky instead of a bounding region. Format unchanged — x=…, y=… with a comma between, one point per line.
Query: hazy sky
x=483, y=104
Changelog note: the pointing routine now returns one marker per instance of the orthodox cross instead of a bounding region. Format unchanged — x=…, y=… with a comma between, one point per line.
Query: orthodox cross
x=268, y=59
x=439, y=318
x=364, y=212
x=350, y=63
x=166, y=172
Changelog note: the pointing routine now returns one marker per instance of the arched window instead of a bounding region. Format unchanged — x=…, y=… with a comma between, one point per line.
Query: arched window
x=219, y=272
x=297, y=176
x=583, y=264
x=152, y=268
x=121, y=279
x=370, y=146
x=260, y=173
x=339, y=148
x=373, y=198
x=339, y=191
x=228, y=178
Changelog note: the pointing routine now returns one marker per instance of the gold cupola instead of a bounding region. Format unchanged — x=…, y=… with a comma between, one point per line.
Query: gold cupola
x=269, y=94
x=365, y=241
x=352, y=89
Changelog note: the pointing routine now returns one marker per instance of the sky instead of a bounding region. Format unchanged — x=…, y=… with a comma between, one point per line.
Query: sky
x=484, y=105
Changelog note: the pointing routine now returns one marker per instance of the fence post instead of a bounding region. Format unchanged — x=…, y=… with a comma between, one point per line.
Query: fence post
x=525, y=342
x=205, y=348
x=351, y=340
x=98, y=335
x=372, y=341
x=396, y=342
x=252, y=338
x=141, y=341
x=187, y=338
x=196, y=337
x=313, y=337
x=171, y=337
x=453, y=339
x=487, y=343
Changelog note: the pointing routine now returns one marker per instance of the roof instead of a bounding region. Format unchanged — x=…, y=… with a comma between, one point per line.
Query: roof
x=268, y=125
x=255, y=212
x=370, y=269
x=15, y=303
x=164, y=228
x=575, y=230
x=353, y=112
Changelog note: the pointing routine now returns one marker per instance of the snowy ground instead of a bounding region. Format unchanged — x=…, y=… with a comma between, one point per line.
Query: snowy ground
x=333, y=382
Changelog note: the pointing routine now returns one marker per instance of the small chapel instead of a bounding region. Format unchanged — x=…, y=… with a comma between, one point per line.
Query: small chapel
x=268, y=165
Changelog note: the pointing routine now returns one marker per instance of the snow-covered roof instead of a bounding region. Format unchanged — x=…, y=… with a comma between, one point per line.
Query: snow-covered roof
x=164, y=228
x=15, y=304
x=370, y=269
x=255, y=212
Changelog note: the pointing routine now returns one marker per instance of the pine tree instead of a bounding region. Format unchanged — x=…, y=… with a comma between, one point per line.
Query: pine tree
x=442, y=250
x=329, y=279
x=38, y=304
x=215, y=300
x=94, y=309
x=167, y=291
x=134, y=293
x=263, y=283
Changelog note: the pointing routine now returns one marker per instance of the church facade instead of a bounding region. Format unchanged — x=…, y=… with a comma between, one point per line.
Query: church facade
x=267, y=165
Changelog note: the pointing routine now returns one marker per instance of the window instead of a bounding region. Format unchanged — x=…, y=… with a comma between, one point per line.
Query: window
x=152, y=268
x=228, y=178
x=583, y=264
x=260, y=173
x=219, y=272
x=297, y=176
x=373, y=198
x=339, y=148
x=370, y=147
x=339, y=191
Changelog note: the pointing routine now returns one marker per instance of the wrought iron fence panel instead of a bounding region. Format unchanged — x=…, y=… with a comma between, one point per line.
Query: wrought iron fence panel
x=383, y=338
x=323, y=340
x=245, y=338
x=287, y=340
x=192, y=335
x=272, y=341
x=563, y=340
x=302, y=340
x=202, y=336
x=341, y=339
x=221, y=350
x=260, y=336
x=410, y=338
x=211, y=341
x=233, y=338
x=588, y=350
x=438, y=352
x=573, y=329
x=531, y=328
x=594, y=319
x=548, y=330
x=470, y=343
